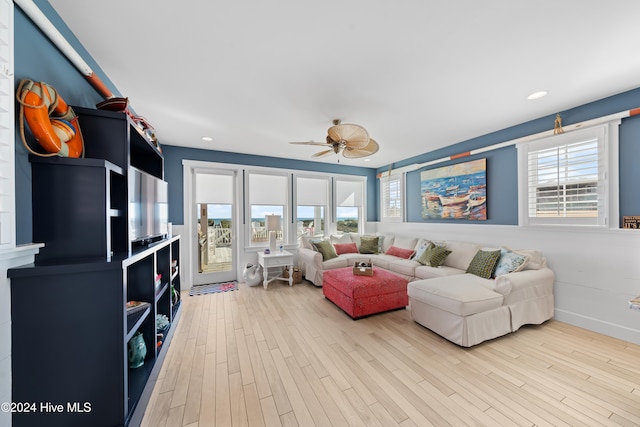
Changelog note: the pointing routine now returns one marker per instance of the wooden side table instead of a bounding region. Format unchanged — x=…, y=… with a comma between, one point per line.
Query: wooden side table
x=277, y=259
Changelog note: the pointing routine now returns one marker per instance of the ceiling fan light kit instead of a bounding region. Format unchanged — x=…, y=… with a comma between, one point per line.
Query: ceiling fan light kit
x=350, y=139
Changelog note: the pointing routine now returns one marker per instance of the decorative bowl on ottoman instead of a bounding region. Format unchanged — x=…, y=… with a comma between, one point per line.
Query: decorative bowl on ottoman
x=361, y=296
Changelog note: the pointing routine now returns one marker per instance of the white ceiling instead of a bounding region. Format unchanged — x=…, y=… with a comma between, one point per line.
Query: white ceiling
x=417, y=74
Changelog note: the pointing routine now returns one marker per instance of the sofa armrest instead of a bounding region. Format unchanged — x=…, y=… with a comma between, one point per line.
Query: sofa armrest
x=522, y=280
x=311, y=258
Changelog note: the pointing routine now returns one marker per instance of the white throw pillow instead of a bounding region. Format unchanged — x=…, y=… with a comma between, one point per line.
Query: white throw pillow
x=405, y=242
x=461, y=254
x=340, y=238
x=385, y=241
x=305, y=242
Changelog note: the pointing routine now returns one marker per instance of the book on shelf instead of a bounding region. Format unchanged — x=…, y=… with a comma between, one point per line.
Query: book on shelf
x=634, y=304
x=136, y=306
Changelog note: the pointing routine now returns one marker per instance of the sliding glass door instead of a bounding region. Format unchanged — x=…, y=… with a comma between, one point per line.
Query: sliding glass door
x=215, y=224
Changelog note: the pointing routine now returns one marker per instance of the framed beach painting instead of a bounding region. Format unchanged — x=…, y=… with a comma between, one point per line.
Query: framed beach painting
x=455, y=192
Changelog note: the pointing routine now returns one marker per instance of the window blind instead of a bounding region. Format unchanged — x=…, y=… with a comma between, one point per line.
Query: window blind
x=566, y=178
x=391, y=197
x=349, y=193
x=312, y=191
x=268, y=189
x=214, y=188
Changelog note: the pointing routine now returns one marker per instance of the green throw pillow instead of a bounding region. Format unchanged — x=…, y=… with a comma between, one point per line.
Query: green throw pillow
x=484, y=263
x=434, y=256
x=326, y=249
x=368, y=245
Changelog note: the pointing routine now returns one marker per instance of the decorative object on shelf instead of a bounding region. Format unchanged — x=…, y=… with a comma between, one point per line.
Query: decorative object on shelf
x=136, y=306
x=174, y=295
x=52, y=122
x=162, y=321
x=352, y=140
x=213, y=288
x=158, y=280
x=272, y=222
x=117, y=104
x=121, y=105
x=137, y=351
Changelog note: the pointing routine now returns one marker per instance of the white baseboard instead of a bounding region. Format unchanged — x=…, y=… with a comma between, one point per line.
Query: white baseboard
x=600, y=326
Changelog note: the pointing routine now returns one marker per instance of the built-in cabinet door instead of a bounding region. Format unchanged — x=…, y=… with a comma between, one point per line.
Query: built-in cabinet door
x=215, y=226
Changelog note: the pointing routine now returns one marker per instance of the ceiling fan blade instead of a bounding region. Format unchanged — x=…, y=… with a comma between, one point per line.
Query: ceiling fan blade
x=322, y=144
x=322, y=153
x=354, y=136
x=354, y=153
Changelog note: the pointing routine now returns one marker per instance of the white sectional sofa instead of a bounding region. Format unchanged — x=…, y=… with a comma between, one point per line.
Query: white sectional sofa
x=458, y=305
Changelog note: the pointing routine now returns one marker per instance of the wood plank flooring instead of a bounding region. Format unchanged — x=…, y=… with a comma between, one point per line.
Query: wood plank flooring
x=289, y=357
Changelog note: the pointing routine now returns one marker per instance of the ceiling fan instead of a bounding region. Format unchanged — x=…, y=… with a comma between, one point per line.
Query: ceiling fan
x=352, y=140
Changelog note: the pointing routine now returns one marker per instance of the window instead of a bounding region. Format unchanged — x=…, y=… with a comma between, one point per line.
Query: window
x=312, y=198
x=391, y=197
x=349, y=205
x=268, y=206
x=565, y=178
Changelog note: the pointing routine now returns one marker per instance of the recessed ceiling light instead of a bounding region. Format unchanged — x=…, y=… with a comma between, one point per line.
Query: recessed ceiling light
x=537, y=95
x=207, y=138
x=367, y=160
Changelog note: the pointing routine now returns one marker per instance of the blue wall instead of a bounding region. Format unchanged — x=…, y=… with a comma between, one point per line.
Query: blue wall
x=37, y=59
x=502, y=173
x=173, y=157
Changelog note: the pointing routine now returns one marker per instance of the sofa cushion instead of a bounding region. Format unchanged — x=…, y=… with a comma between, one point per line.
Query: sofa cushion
x=484, y=263
x=345, y=248
x=382, y=260
x=337, y=262
x=369, y=244
x=325, y=248
x=427, y=272
x=434, y=256
x=461, y=254
x=406, y=267
x=463, y=295
x=510, y=262
x=400, y=252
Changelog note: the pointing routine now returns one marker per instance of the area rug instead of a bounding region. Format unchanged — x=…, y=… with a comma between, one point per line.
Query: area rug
x=213, y=288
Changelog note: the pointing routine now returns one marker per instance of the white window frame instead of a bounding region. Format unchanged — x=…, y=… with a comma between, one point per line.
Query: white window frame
x=385, y=198
x=286, y=214
x=608, y=211
x=320, y=177
x=362, y=209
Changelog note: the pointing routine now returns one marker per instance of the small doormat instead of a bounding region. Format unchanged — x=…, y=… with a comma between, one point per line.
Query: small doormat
x=213, y=288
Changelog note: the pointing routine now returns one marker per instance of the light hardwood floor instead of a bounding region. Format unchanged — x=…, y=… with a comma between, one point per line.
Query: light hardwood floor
x=287, y=356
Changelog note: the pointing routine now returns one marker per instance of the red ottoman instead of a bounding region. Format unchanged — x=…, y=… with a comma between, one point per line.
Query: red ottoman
x=360, y=296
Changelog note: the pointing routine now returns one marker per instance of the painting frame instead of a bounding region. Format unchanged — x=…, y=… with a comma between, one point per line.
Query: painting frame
x=457, y=192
